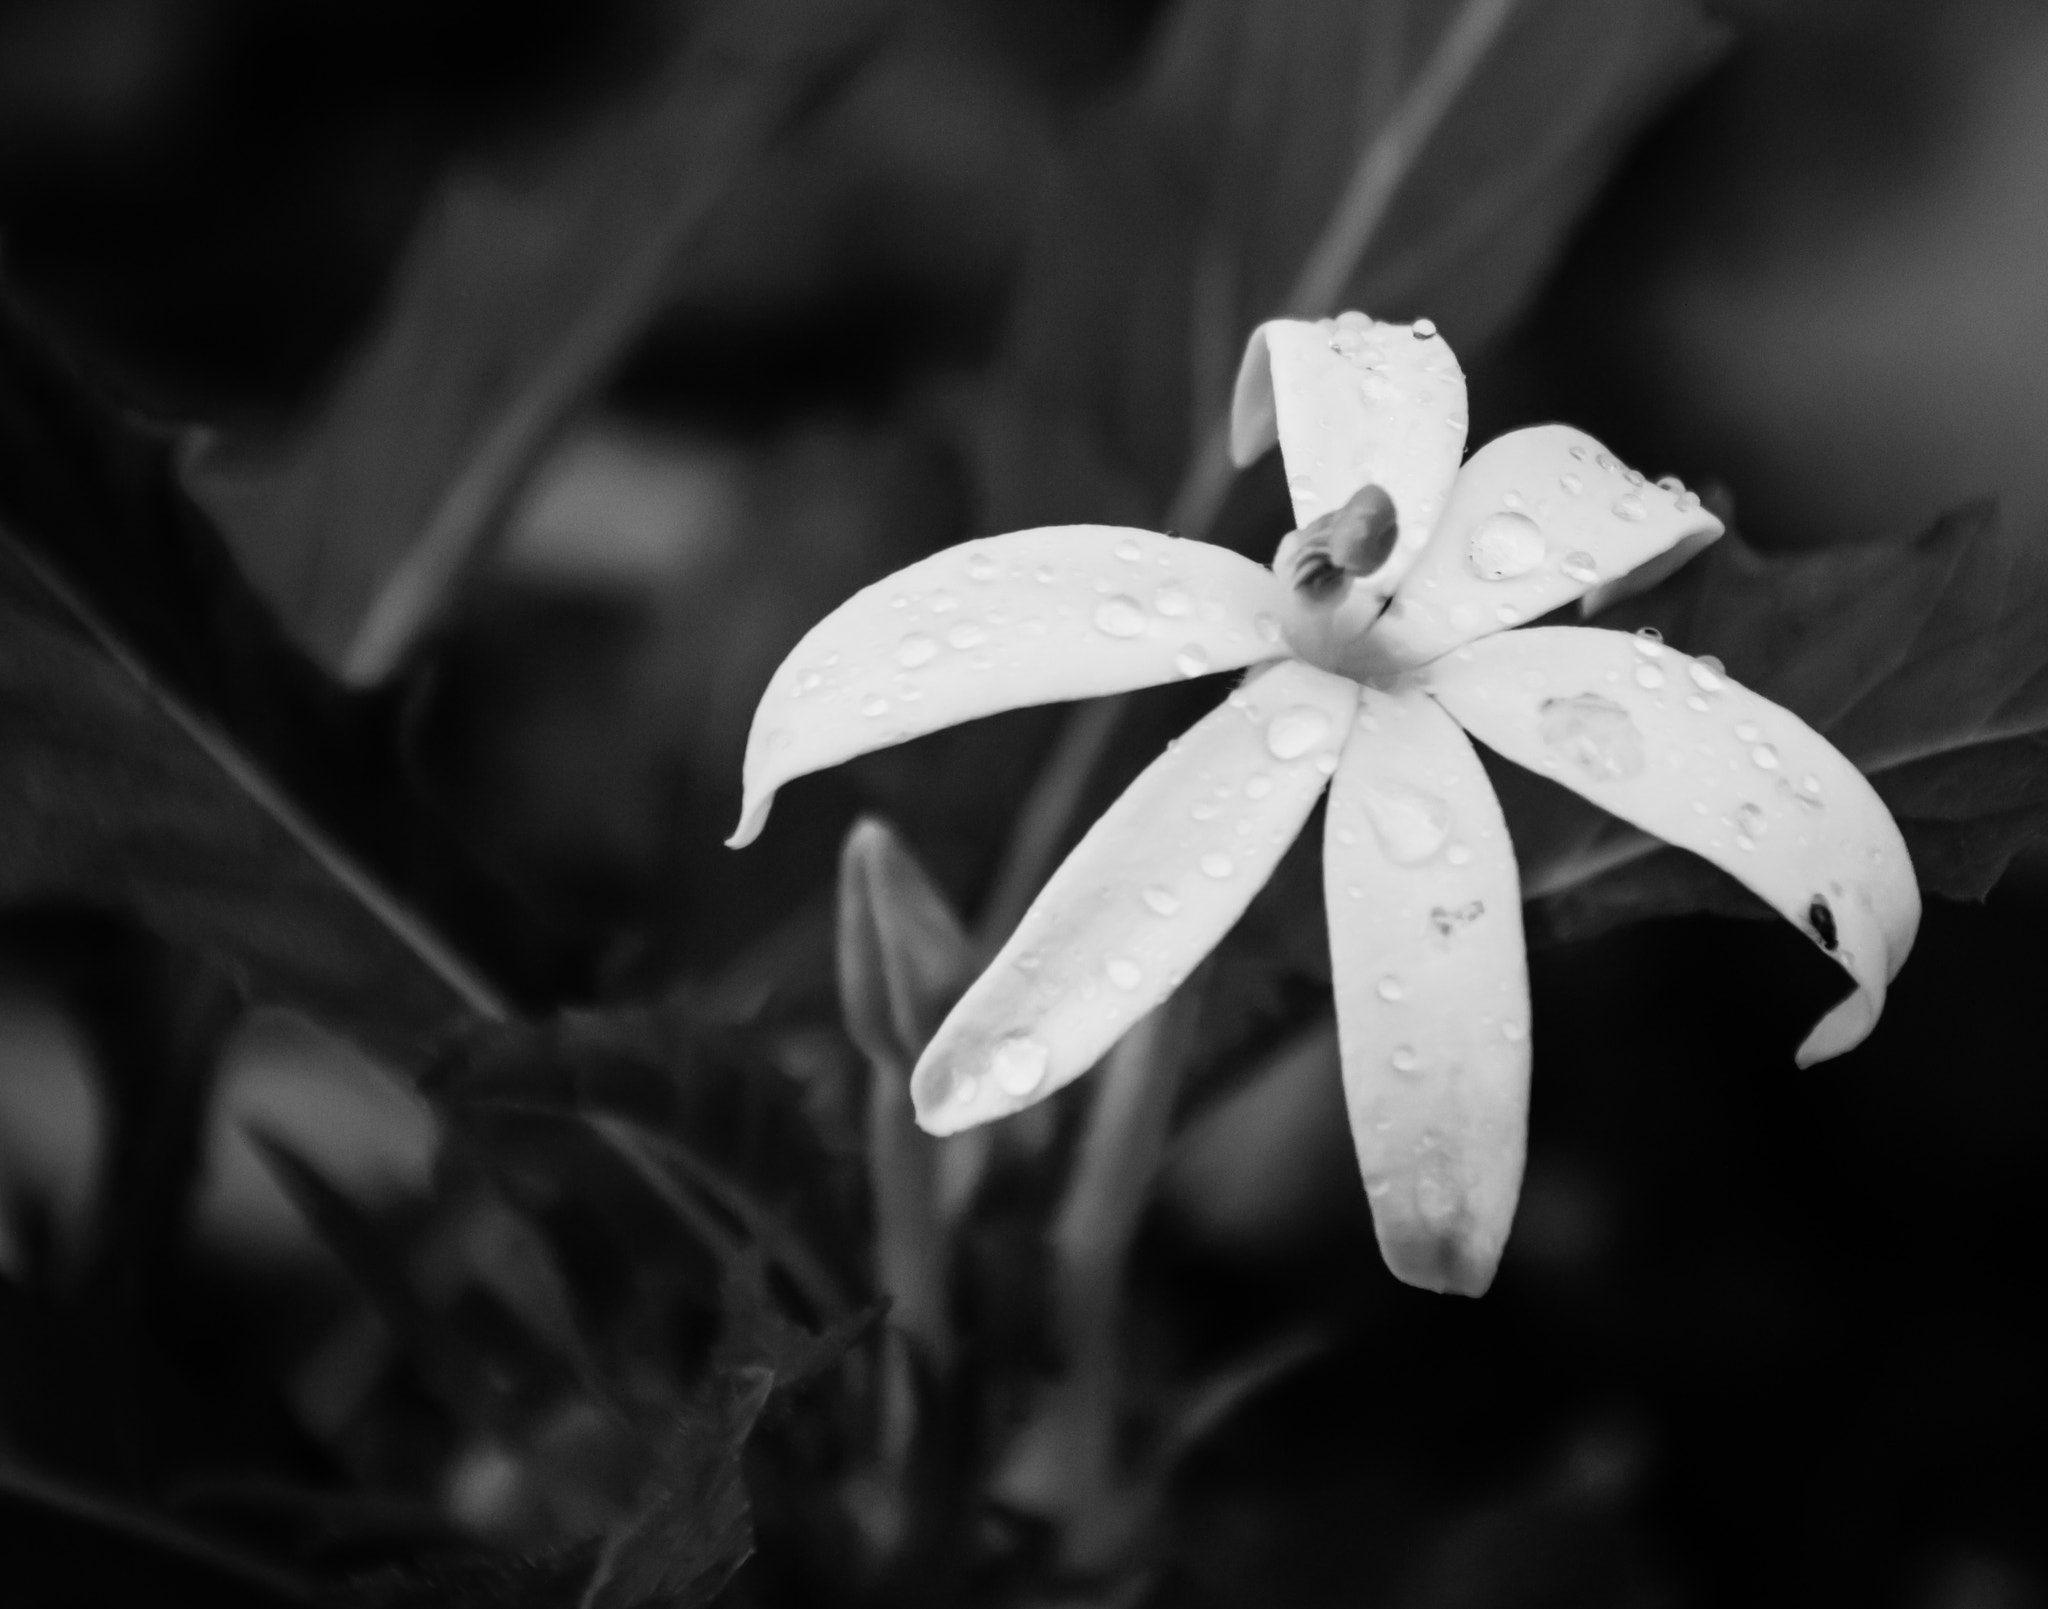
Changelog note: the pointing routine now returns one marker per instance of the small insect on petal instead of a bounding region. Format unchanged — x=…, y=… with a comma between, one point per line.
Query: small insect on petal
x=1432, y=992
x=1705, y=764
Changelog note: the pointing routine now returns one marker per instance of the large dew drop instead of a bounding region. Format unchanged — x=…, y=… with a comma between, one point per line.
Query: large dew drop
x=1505, y=545
x=1293, y=732
x=1595, y=734
x=1411, y=825
x=1120, y=617
x=1018, y=1065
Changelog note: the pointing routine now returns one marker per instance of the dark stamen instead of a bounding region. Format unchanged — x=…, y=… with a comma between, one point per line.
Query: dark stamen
x=1348, y=542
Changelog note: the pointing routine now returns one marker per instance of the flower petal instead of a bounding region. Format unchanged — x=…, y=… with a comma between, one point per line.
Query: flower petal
x=1671, y=745
x=1143, y=897
x=1536, y=518
x=1432, y=990
x=1065, y=611
x=1355, y=403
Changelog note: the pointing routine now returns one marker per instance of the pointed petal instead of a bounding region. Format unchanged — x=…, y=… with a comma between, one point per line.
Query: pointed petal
x=1669, y=744
x=1143, y=897
x=1432, y=990
x=1065, y=611
x=1353, y=403
x=1536, y=518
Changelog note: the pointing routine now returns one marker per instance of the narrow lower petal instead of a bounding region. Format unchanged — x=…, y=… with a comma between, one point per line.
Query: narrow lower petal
x=1144, y=896
x=1432, y=990
x=1065, y=611
x=1670, y=744
x=1356, y=403
x=1536, y=518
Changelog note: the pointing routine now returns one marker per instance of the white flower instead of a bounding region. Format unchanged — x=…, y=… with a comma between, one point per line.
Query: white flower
x=1376, y=637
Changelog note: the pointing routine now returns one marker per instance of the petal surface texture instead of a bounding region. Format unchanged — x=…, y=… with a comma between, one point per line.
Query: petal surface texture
x=1536, y=518
x=1672, y=746
x=1432, y=990
x=1357, y=403
x=1143, y=897
x=1065, y=611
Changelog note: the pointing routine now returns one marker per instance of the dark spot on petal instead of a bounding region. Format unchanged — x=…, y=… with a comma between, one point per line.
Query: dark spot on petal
x=1821, y=918
x=1448, y=920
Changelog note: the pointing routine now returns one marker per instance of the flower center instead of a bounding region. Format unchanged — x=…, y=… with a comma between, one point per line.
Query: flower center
x=1323, y=565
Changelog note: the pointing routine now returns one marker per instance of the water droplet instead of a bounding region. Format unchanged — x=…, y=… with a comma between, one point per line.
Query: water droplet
x=916, y=649
x=1411, y=825
x=1267, y=627
x=1404, y=1059
x=1513, y=1031
x=1649, y=642
x=1422, y=329
x=1171, y=600
x=1258, y=786
x=1203, y=811
x=1696, y=704
x=1580, y=566
x=1704, y=676
x=981, y=567
x=1019, y=1064
x=1507, y=615
x=1765, y=757
x=1751, y=821
x=1391, y=989
x=965, y=1087
x=1458, y=855
x=1688, y=500
x=1747, y=732
x=1595, y=734
x=810, y=682
x=1809, y=785
x=1119, y=617
x=1628, y=506
x=1160, y=901
x=966, y=635
x=1671, y=484
x=1579, y=453
x=780, y=738
x=942, y=602
x=1454, y=421
x=1633, y=476
x=1129, y=551
x=1606, y=461
x=1192, y=660
x=1045, y=574
x=1649, y=676
x=1122, y=971
x=1571, y=483
x=1504, y=546
x=1293, y=732
x=1218, y=865
x=874, y=705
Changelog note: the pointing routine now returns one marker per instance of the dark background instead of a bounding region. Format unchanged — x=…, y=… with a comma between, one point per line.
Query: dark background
x=1761, y=1335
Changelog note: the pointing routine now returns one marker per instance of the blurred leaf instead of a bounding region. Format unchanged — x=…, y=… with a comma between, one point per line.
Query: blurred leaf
x=66, y=1546
x=1297, y=156
x=1925, y=661
x=171, y=755
x=694, y=1526
x=715, y=1105
x=548, y=1581
x=377, y=1258
x=522, y=286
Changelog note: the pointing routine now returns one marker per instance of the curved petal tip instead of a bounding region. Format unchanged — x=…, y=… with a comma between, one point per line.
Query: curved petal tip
x=1445, y=1258
x=753, y=817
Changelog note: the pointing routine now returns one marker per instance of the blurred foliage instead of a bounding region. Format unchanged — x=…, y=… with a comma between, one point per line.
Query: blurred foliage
x=542, y=371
